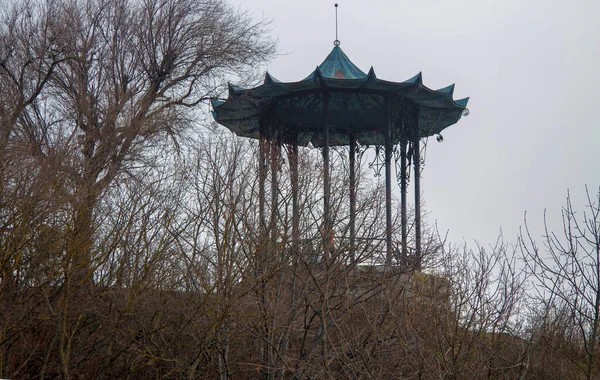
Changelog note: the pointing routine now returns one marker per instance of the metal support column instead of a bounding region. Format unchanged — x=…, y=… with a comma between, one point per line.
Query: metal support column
x=293, y=159
x=352, y=198
x=417, y=180
x=262, y=177
x=403, y=186
x=274, y=158
x=326, y=179
x=388, y=183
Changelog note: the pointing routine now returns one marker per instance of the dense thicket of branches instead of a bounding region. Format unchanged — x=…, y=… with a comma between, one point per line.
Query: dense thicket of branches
x=130, y=245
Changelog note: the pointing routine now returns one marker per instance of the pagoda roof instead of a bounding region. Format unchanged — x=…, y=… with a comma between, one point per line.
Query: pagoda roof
x=337, y=65
x=356, y=105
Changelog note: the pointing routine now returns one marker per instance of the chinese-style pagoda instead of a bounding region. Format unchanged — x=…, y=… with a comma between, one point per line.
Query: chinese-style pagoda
x=340, y=105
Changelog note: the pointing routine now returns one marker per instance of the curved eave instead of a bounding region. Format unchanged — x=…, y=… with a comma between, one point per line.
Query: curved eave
x=437, y=109
x=411, y=89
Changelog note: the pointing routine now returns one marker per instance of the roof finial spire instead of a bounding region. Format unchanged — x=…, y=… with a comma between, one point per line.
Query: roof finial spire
x=336, y=42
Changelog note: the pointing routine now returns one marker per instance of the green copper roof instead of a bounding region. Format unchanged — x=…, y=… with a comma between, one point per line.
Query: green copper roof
x=338, y=66
x=356, y=106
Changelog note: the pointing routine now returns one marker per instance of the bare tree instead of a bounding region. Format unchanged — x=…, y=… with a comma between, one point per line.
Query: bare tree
x=567, y=285
x=132, y=244
x=29, y=54
x=31, y=48
x=139, y=68
x=93, y=92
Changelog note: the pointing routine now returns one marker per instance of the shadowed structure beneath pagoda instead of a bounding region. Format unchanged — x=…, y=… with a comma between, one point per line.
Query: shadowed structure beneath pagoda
x=340, y=105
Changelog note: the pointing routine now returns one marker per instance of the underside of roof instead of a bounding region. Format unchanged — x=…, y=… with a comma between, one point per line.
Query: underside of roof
x=356, y=104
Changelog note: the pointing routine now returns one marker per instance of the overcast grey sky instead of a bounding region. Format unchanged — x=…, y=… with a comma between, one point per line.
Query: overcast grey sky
x=530, y=68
